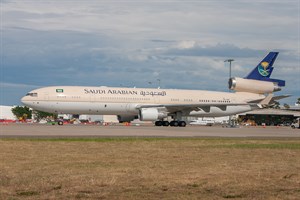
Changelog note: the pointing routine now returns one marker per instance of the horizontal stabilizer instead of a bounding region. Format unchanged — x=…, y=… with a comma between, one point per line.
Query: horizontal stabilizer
x=279, y=82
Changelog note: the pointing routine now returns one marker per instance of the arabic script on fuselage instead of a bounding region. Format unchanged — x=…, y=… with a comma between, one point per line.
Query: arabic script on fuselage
x=125, y=92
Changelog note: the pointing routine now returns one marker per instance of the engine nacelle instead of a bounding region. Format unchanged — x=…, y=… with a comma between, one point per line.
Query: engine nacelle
x=253, y=86
x=151, y=114
x=126, y=118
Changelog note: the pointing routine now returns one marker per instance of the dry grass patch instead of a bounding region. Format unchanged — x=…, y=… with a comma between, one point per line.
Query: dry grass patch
x=149, y=169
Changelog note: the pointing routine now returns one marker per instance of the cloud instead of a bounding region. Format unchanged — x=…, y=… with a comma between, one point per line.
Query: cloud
x=194, y=48
x=11, y=93
x=15, y=85
x=131, y=43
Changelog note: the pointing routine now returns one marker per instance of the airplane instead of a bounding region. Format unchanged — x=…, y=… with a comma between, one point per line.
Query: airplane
x=252, y=92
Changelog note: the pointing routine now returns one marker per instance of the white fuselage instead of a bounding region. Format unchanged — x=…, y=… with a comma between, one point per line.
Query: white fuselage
x=127, y=101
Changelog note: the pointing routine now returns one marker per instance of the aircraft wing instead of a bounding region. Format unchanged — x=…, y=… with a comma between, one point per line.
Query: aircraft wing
x=280, y=97
x=171, y=108
x=272, y=100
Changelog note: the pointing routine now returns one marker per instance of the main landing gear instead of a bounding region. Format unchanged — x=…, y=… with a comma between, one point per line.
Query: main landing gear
x=172, y=123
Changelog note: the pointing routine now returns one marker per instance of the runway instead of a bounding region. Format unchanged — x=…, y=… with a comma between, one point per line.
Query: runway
x=65, y=131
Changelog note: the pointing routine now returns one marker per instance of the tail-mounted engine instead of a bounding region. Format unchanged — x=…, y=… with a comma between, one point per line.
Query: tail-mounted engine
x=253, y=86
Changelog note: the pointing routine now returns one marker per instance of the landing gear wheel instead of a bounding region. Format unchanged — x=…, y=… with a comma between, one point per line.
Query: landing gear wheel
x=174, y=123
x=182, y=123
x=165, y=123
x=158, y=123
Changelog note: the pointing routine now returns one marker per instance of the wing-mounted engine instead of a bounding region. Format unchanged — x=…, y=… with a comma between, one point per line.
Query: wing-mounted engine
x=151, y=114
x=126, y=118
x=253, y=86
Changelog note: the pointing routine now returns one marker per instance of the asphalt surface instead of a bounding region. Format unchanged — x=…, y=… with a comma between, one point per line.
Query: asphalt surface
x=55, y=131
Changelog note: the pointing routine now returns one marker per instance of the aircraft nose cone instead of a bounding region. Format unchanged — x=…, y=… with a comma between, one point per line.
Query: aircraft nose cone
x=24, y=100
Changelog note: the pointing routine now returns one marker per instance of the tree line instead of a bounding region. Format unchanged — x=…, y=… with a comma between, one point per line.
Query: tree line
x=24, y=112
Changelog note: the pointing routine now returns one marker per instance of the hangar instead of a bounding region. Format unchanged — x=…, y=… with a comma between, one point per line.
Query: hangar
x=270, y=117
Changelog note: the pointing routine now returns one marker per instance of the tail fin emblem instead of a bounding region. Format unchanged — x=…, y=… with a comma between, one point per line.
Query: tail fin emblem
x=262, y=68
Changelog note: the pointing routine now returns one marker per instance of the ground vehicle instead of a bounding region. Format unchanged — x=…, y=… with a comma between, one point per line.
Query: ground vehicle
x=205, y=122
x=296, y=123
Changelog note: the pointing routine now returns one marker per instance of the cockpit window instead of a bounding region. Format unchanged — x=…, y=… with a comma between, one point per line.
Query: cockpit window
x=32, y=94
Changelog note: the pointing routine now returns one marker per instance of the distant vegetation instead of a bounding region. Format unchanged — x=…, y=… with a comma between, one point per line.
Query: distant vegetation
x=24, y=112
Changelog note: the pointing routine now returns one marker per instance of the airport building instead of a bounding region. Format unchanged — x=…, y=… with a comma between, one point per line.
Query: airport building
x=270, y=117
x=6, y=113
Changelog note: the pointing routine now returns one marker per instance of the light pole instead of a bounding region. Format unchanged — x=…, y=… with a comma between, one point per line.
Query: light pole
x=158, y=83
x=229, y=60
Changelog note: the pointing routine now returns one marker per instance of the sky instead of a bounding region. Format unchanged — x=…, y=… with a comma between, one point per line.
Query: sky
x=171, y=44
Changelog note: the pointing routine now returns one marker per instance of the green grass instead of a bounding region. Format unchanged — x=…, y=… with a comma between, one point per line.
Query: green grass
x=236, y=143
x=27, y=193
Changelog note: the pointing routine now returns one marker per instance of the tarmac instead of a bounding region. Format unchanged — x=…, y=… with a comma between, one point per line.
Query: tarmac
x=79, y=131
